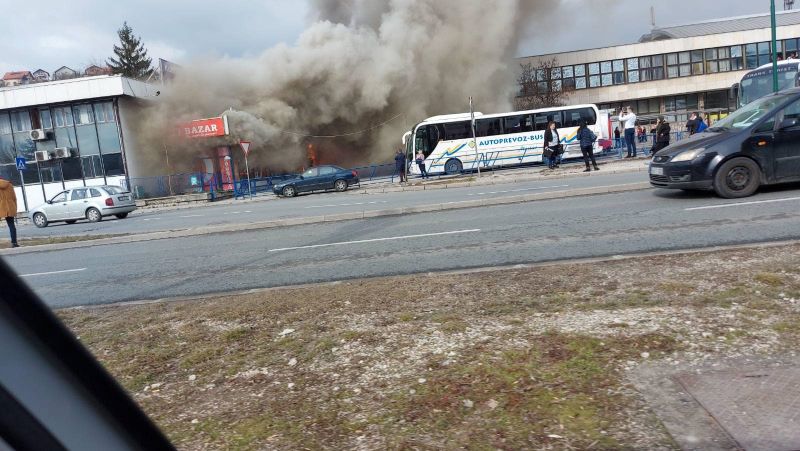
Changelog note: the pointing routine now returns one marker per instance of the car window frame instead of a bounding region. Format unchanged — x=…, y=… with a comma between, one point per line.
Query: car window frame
x=310, y=170
x=66, y=197
x=76, y=191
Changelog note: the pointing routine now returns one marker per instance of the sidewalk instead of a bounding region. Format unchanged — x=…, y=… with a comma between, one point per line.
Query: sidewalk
x=495, y=177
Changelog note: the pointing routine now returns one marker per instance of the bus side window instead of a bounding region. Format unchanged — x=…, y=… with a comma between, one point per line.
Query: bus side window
x=517, y=124
x=539, y=121
x=487, y=127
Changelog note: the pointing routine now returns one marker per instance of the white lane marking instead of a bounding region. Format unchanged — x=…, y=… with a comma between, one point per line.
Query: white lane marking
x=373, y=240
x=518, y=190
x=150, y=219
x=192, y=216
x=52, y=272
x=349, y=205
x=738, y=204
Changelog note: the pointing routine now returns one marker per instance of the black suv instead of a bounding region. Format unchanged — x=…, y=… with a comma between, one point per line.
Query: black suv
x=756, y=145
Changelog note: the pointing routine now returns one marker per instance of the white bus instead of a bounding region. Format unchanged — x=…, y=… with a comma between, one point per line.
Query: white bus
x=502, y=139
x=758, y=82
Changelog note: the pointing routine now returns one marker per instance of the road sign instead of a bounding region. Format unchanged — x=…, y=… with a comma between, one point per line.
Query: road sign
x=21, y=164
x=245, y=146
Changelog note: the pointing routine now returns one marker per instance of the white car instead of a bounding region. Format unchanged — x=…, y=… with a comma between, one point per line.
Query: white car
x=91, y=203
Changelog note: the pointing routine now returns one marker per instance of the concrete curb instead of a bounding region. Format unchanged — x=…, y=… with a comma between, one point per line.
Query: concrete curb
x=209, y=230
x=489, y=182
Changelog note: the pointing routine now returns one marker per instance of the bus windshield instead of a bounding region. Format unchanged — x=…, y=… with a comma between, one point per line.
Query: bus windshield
x=759, y=83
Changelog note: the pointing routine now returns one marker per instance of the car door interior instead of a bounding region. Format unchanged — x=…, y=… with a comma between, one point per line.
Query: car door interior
x=54, y=395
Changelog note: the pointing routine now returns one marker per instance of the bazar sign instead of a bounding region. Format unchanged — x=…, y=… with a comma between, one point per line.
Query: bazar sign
x=205, y=128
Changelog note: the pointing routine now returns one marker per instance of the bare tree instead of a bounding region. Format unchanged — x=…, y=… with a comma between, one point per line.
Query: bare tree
x=542, y=86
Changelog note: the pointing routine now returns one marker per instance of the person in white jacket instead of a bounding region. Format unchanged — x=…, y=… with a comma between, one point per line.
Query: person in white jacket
x=628, y=120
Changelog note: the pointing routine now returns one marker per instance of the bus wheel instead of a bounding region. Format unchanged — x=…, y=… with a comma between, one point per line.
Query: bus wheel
x=453, y=167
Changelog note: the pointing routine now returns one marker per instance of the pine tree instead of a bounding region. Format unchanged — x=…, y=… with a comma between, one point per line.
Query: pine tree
x=131, y=60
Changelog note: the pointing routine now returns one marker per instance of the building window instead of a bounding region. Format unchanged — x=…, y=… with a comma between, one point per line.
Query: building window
x=566, y=72
x=605, y=67
x=71, y=169
x=113, y=163
x=681, y=103
x=718, y=60
x=92, y=167
x=607, y=79
x=594, y=69
x=697, y=62
x=21, y=121
x=7, y=152
x=83, y=114
x=63, y=116
x=632, y=64
x=790, y=48
x=104, y=112
x=580, y=82
x=555, y=73
x=737, y=63
x=594, y=81
x=45, y=119
x=716, y=100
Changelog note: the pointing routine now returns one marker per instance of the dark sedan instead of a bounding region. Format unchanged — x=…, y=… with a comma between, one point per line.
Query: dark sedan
x=320, y=178
x=756, y=145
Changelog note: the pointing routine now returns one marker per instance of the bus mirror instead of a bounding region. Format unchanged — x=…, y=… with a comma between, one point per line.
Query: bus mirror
x=733, y=92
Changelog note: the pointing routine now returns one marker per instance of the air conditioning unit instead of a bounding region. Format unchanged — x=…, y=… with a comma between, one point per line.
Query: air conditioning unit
x=38, y=135
x=42, y=155
x=63, y=152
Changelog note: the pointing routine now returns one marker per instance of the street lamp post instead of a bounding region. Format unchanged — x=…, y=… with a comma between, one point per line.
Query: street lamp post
x=774, y=47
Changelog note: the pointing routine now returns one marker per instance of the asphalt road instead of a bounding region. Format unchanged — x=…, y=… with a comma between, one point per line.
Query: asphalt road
x=317, y=204
x=633, y=222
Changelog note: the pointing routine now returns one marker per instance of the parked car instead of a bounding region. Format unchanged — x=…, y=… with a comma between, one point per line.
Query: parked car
x=91, y=203
x=756, y=145
x=320, y=178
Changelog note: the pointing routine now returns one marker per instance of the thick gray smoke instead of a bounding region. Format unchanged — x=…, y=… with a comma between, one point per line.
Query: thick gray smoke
x=359, y=64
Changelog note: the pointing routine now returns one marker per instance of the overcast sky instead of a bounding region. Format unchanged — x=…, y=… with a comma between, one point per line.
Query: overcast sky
x=80, y=32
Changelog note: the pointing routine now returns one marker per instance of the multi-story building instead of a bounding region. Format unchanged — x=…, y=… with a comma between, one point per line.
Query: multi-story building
x=70, y=133
x=673, y=70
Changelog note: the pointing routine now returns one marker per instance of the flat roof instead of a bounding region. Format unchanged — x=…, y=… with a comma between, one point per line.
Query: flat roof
x=722, y=25
x=72, y=90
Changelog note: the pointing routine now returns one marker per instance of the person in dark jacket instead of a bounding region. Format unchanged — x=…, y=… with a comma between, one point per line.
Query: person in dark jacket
x=552, y=145
x=617, y=140
x=400, y=164
x=662, y=135
x=587, y=138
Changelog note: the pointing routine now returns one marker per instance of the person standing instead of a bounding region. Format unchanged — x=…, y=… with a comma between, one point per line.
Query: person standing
x=628, y=119
x=617, y=141
x=587, y=138
x=8, y=208
x=552, y=145
x=692, y=124
x=400, y=164
x=662, y=135
x=701, y=123
x=420, y=159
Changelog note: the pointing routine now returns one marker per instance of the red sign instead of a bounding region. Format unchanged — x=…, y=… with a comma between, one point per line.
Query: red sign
x=205, y=128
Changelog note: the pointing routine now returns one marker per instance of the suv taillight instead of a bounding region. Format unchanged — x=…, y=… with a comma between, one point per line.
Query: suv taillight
x=355, y=174
x=109, y=202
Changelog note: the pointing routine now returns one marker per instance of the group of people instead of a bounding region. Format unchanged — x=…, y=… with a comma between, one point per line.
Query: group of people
x=660, y=133
x=400, y=164
x=553, y=149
